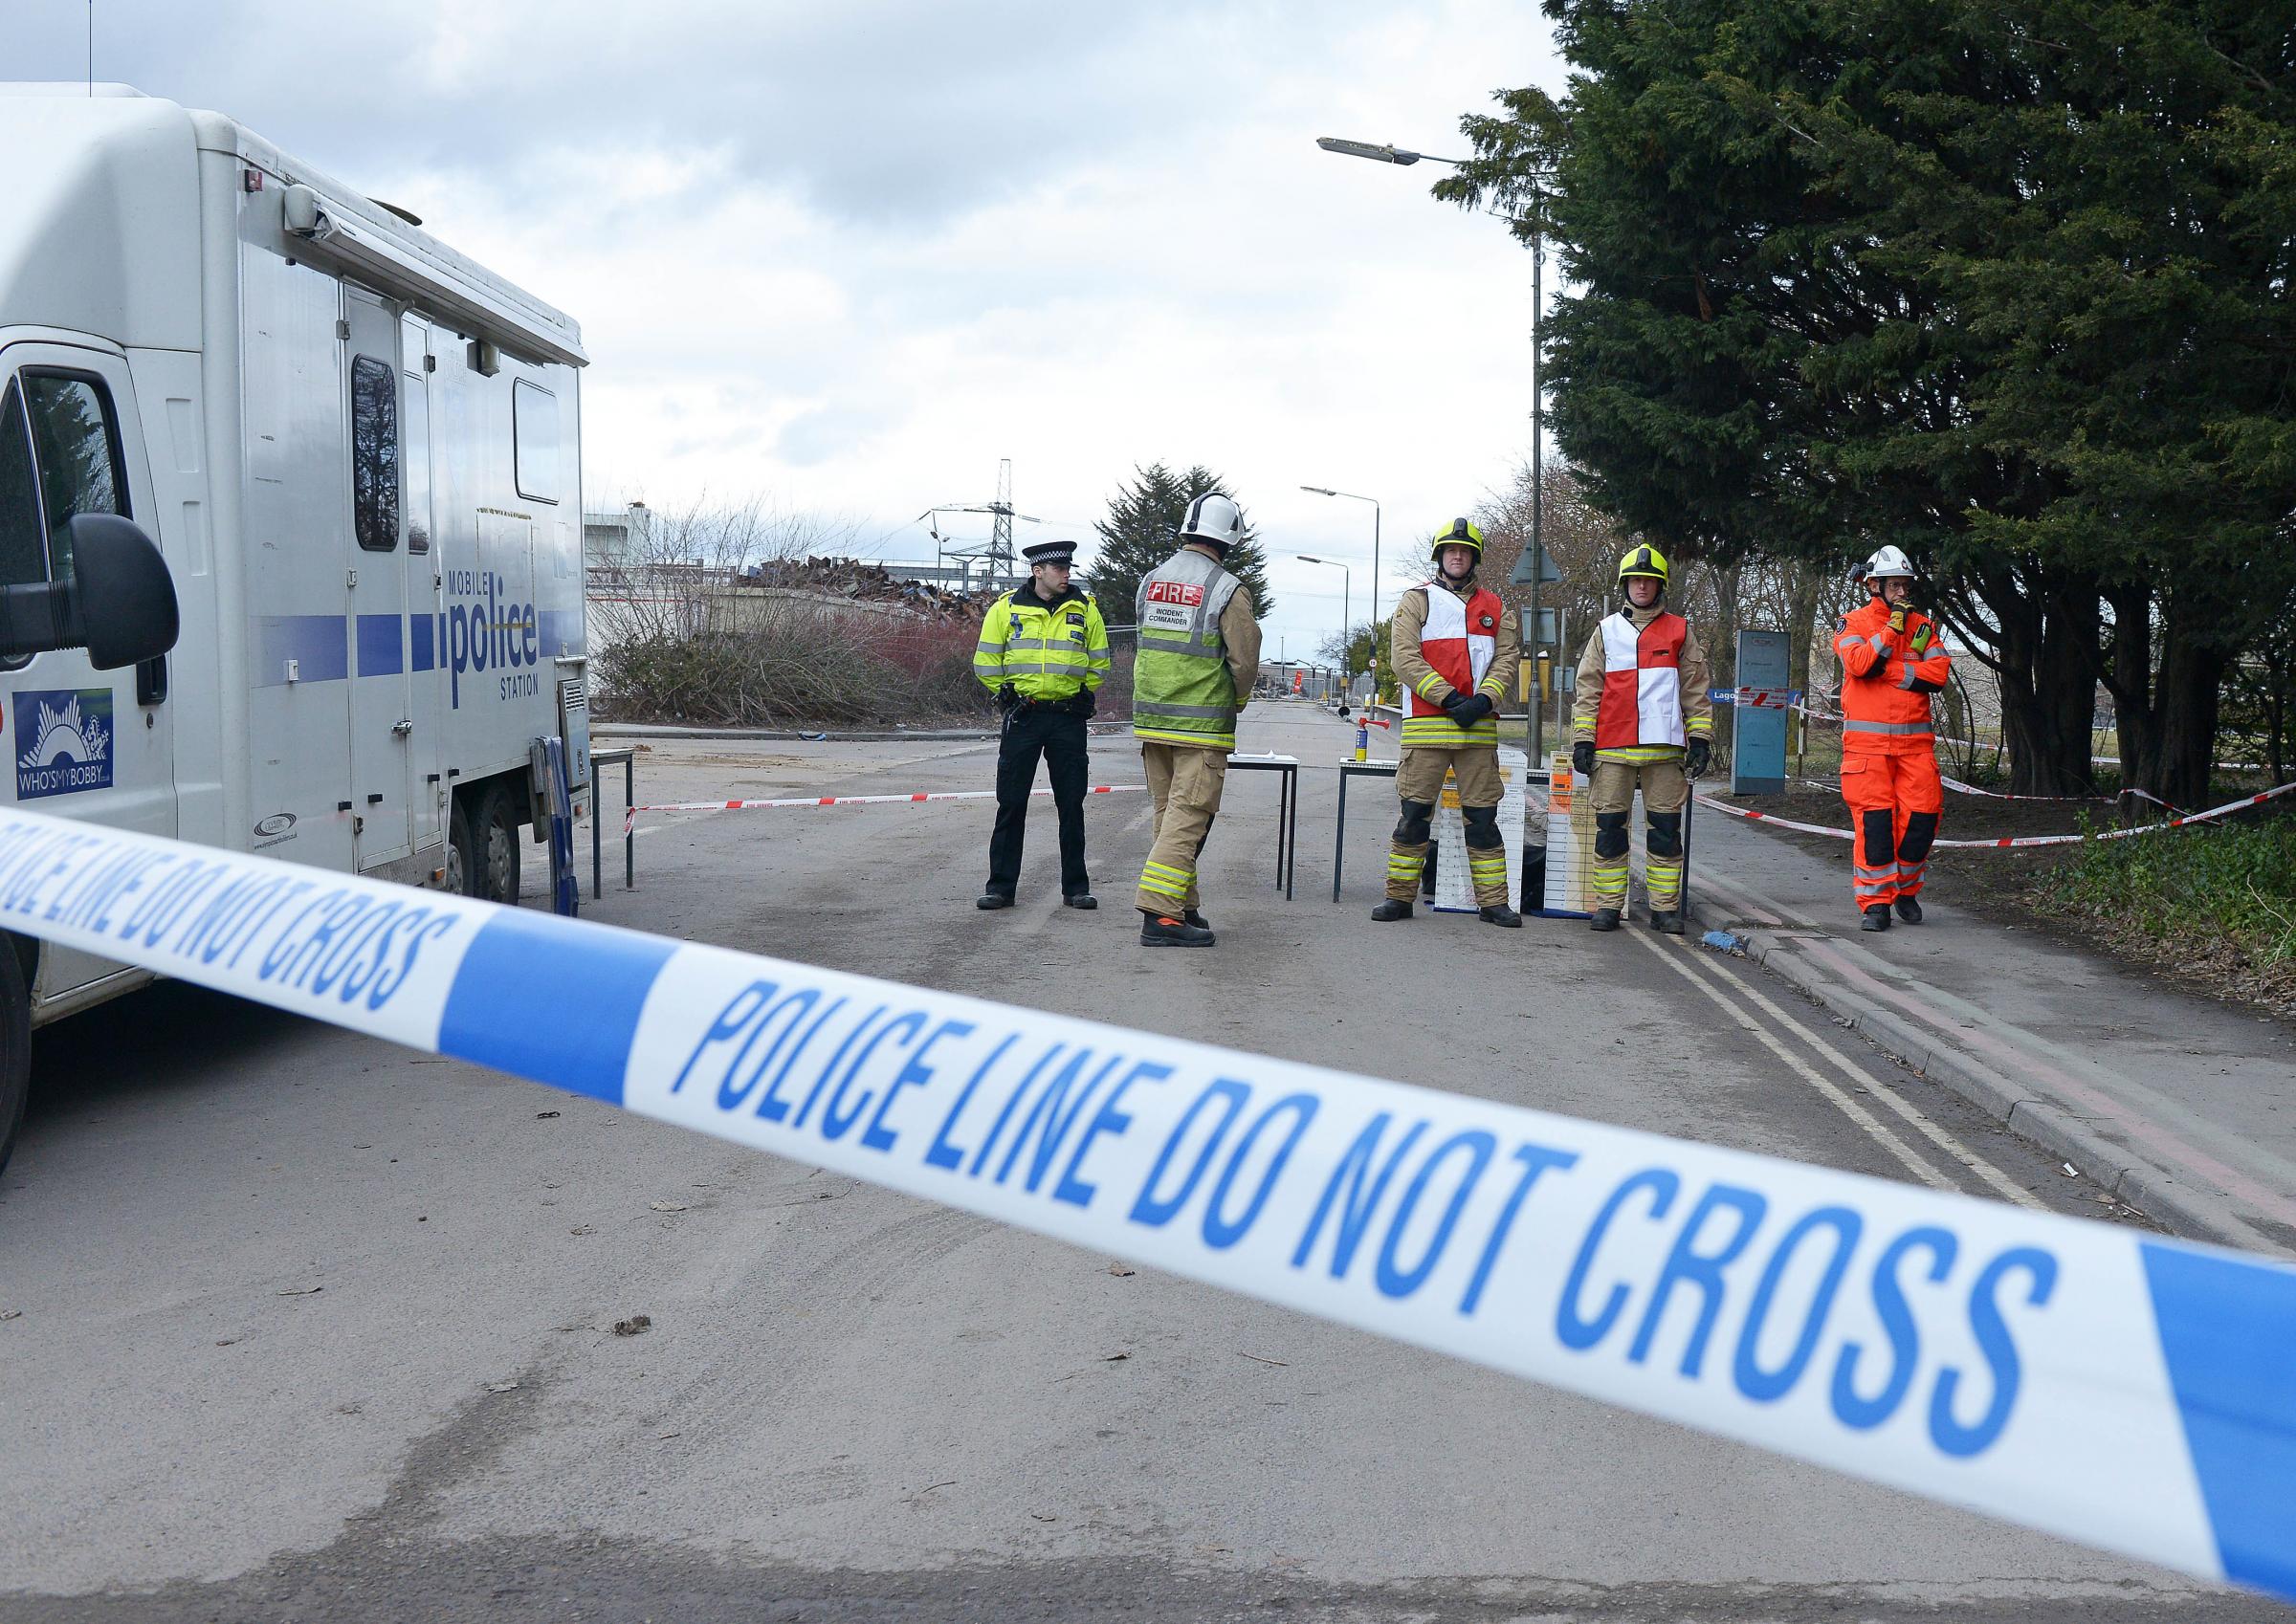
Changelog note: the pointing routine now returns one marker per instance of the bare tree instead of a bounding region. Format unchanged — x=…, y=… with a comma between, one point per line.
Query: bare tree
x=679, y=566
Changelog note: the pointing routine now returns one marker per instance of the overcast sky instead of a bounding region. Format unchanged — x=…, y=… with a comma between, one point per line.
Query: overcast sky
x=845, y=256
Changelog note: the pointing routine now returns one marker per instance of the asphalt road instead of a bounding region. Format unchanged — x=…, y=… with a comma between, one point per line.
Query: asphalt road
x=298, y=1325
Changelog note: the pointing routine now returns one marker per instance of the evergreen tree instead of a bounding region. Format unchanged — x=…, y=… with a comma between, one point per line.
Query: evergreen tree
x=2002, y=283
x=1142, y=530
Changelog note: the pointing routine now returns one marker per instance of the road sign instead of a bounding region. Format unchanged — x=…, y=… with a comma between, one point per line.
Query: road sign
x=1534, y=558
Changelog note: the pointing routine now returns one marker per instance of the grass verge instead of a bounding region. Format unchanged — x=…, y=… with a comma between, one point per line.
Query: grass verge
x=2219, y=902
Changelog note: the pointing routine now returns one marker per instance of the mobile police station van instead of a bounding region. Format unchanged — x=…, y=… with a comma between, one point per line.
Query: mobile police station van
x=358, y=453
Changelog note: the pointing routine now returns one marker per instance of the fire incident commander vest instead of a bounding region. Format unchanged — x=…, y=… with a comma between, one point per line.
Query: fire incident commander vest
x=1182, y=693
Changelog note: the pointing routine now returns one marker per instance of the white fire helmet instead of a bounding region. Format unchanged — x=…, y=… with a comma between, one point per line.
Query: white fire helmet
x=1886, y=564
x=1212, y=517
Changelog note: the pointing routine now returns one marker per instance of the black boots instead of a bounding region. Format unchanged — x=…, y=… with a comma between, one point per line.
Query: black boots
x=1908, y=908
x=1161, y=931
x=1500, y=914
x=1877, y=917
x=993, y=899
x=1081, y=899
x=1667, y=921
x=1604, y=919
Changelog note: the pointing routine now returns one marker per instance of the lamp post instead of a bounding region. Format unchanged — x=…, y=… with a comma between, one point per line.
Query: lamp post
x=1346, y=602
x=1327, y=491
x=1402, y=158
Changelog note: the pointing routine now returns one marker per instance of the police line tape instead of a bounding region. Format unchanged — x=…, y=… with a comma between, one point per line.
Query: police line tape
x=2094, y=1382
x=631, y=814
x=2211, y=815
x=1757, y=699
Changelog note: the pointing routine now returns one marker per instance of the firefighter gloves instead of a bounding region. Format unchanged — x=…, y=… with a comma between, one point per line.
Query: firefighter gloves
x=1469, y=709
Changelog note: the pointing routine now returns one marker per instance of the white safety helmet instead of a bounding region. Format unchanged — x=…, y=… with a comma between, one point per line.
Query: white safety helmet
x=1886, y=565
x=1212, y=517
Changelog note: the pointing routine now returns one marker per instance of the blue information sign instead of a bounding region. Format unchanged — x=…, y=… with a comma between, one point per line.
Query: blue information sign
x=1757, y=755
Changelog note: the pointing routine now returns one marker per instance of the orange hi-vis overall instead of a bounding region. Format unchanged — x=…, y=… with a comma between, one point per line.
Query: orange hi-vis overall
x=1888, y=751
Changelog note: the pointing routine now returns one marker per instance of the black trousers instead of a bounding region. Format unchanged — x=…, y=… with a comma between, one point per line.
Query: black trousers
x=1035, y=731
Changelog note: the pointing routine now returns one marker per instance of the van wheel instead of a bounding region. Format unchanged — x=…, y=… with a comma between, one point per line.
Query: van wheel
x=497, y=847
x=16, y=1049
x=462, y=856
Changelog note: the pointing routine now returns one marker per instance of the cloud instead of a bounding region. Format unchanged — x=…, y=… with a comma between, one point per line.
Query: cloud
x=850, y=256
x=828, y=432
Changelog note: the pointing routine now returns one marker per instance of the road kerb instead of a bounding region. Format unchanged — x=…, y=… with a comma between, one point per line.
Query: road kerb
x=2196, y=1215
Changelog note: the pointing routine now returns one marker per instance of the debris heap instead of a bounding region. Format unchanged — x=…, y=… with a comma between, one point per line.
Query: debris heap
x=858, y=578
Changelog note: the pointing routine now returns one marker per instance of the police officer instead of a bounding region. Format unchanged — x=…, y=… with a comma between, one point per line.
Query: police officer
x=1454, y=648
x=1042, y=653
x=1641, y=714
x=1199, y=657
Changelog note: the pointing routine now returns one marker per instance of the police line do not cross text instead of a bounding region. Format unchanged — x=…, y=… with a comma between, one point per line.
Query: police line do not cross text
x=2016, y=1363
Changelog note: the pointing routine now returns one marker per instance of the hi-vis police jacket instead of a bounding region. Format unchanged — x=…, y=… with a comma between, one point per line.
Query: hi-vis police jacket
x=1046, y=650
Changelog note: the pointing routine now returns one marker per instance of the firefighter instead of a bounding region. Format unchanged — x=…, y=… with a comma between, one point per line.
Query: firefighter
x=1199, y=657
x=1892, y=660
x=1455, y=649
x=1042, y=653
x=1641, y=716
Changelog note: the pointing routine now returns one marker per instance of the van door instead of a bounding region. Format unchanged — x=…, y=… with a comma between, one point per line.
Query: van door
x=81, y=743
x=375, y=581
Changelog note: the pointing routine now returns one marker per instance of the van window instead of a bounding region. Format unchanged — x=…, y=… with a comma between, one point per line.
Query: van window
x=75, y=442
x=534, y=432
x=23, y=558
x=375, y=453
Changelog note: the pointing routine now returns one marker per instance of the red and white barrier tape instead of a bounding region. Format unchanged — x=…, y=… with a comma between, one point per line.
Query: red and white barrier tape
x=1753, y=817
x=2133, y=793
x=1835, y=717
x=2213, y=813
x=846, y=801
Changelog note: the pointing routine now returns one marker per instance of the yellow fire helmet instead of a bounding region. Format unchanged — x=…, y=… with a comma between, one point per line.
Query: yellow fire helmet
x=1643, y=560
x=1459, y=533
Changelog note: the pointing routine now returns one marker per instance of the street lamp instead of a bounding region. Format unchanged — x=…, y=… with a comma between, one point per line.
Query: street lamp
x=1389, y=154
x=1346, y=615
x=1380, y=153
x=1327, y=491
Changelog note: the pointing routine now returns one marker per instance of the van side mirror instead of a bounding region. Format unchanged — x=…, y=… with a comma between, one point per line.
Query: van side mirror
x=119, y=604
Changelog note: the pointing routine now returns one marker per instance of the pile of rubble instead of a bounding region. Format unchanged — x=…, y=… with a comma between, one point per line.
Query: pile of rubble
x=857, y=578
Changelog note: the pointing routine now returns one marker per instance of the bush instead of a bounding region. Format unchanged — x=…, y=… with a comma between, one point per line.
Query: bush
x=793, y=670
x=2211, y=896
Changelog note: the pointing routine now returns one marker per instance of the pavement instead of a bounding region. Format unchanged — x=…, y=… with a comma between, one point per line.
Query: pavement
x=2183, y=1106
x=299, y=1326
